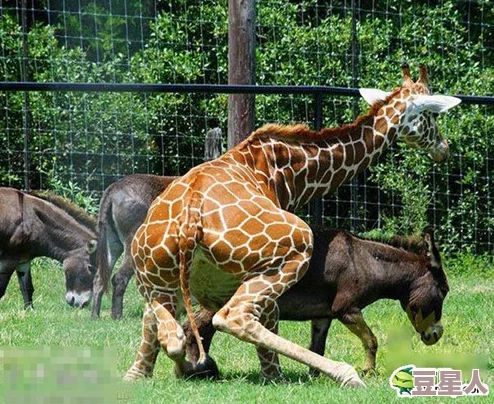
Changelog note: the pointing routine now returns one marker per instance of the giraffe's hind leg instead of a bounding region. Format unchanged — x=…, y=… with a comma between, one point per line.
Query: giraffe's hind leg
x=159, y=328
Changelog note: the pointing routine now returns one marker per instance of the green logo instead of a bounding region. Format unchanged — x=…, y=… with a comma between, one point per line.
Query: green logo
x=402, y=380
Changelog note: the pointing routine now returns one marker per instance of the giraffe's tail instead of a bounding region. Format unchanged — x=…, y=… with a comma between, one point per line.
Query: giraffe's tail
x=190, y=233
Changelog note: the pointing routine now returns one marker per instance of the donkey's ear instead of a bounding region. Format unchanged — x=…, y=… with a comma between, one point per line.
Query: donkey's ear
x=434, y=103
x=432, y=251
x=372, y=95
x=91, y=246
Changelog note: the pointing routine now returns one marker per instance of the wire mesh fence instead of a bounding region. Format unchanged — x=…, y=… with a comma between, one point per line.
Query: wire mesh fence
x=83, y=141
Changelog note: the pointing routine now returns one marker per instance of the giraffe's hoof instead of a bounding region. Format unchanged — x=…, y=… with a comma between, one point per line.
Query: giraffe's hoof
x=352, y=379
x=135, y=374
x=354, y=382
x=274, y=378
x=205, y=370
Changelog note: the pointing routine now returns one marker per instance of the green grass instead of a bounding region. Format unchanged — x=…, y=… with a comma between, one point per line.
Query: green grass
x=467, y=342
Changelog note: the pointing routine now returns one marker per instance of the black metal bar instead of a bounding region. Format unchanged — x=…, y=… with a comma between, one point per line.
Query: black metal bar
x=203, y=88
x=315, y=207
x=318, y=104
x=355, y=184
x=176, y=88
x=26, y=115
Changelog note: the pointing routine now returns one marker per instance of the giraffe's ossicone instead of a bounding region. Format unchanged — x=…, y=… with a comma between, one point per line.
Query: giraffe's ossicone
x=224, y=231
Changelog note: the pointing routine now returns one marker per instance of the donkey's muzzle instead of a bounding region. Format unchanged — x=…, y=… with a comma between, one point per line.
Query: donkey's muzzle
x=432, y=334
x=79, y=300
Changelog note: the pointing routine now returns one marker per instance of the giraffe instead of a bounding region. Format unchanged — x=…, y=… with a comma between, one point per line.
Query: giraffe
x=225, y=232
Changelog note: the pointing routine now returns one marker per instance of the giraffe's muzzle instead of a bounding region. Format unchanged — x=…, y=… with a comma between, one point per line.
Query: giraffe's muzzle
x=441, y=152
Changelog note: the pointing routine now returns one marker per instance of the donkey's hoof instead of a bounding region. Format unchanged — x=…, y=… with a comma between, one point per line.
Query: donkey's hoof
x=116, y=316
x=367, y=372
x=205, y=370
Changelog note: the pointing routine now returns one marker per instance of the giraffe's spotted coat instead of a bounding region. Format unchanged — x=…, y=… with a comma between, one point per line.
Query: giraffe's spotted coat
x=226, y=227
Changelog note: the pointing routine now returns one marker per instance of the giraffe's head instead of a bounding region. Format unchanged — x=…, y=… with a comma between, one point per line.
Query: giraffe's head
x=414, y=110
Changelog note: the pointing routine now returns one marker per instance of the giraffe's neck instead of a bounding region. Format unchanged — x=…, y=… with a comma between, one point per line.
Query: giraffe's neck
x=298, y=171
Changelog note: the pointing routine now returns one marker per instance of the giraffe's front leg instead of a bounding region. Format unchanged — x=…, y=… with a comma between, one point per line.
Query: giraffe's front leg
x=240, y=316
x=270, y=363
x=148, y=351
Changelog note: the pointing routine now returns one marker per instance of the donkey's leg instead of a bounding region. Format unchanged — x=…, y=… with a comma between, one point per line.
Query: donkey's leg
x=318, y=337
x=7, y=268
x=119, y=283
x=97, y=296
x=148, y=351
x=356, y=324
x=114, y=249
x=26, y=283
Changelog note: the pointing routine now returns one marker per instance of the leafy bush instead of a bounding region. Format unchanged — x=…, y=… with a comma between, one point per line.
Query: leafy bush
x=89, y=139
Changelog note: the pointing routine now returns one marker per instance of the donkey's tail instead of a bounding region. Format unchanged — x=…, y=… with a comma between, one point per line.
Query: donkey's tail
x=105, y=221
x=190, y=233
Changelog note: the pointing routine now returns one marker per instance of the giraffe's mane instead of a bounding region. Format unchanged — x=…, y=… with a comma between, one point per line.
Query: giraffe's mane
x=302, y=133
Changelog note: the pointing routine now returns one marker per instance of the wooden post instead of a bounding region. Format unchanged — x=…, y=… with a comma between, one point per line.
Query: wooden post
x=241, y=68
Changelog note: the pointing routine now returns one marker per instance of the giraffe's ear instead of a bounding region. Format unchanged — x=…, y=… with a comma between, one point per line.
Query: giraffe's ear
x=372, y=95
x=434, y=103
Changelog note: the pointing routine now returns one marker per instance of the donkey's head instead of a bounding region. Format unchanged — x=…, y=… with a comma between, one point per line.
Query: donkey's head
x=424, y=301
x=417, y=123
x=79, y=270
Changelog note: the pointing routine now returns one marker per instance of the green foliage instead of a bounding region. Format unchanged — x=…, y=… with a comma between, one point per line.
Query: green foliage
x=89, y=139
x=71, y=190
x=467, y=264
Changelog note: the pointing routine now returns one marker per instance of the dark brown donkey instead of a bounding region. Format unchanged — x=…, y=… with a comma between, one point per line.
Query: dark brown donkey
x=123, y=208
x=45, y=225
x=348, y=273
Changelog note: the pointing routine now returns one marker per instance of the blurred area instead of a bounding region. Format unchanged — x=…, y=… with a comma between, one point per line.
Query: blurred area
x=52, y=375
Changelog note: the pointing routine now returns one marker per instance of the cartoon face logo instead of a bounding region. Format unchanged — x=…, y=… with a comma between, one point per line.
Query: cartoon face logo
x=401, y=380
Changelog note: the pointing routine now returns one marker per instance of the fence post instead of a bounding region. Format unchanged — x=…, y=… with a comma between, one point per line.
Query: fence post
x=241, y=68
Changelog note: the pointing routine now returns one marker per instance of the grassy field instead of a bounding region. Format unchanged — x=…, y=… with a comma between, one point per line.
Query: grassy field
x=86, y=358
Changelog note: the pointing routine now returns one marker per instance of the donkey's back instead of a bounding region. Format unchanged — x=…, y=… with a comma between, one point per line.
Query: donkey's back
x=37, y=225
x=123, y=208
x=11, y=220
